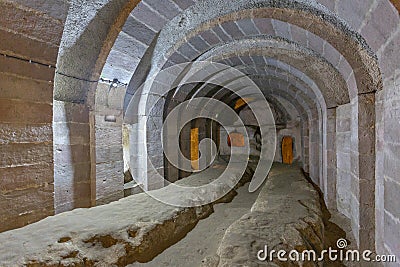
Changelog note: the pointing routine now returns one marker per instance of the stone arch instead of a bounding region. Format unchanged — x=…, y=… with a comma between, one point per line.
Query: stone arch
x=235, y=49
x=90, y=31
x=341, y=26
x=226, y=96
x=368, y=80
x=362, y=34
x=312, y=16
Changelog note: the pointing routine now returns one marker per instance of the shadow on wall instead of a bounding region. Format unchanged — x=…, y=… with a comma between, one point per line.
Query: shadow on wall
x=72, y=167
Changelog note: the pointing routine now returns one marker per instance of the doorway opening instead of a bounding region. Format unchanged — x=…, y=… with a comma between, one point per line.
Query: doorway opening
x=194, y=148
x=287, y=150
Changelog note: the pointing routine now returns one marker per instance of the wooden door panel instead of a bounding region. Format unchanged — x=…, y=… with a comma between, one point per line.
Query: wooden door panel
x=287, y=150
x=194, y=148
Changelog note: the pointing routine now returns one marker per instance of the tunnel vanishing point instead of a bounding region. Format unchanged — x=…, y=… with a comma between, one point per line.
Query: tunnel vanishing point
x=165, y=107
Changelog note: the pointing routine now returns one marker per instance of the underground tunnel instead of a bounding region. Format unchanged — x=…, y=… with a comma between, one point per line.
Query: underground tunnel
x=199, y=133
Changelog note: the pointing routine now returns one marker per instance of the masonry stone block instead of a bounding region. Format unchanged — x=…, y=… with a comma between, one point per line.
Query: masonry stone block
x=25, y=153
x=26, y=201
x=70, y=154
x=26, y=218
x=248, y=27
x=258, y=60
x=31, y=23
x=392, y=235
x=391, y=167
x=187, y=51
x=157, y=160
x=149, y=17
x=343, y=193
x=112, y=135
x=343, y=161
x=108, y=153
x=392, y=128
x=70, y=112
x=127, y=44
x=71, y=133
x=282, y=29
x=355, y=227
x=384, y=20
x=235, y=62
x=199, y=44
x=25, y=176
x=28, y=48
x=316, y=43
x=390, y=57
x=68, y=174
x=210, y=37
x=391, y=190
x=139, y=30
x=57, y=9
x=17, y=111
x=299, y=35
x=25, y=133
x=26, y=69
x=74, y=197
x=23, y=88
x=167, y=8
x=246, y=59
x=109, y=183
x=232, y=29
x=367, y=141
x=343, y=125
x=355, y=187
x=123, y=61
x=328, y=4
x=354, y=11
x=184, y=4
x=221, y=33
x=177, y=58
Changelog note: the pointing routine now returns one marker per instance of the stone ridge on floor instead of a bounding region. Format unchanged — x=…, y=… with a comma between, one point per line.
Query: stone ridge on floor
x=286, y=215
x=133, y=229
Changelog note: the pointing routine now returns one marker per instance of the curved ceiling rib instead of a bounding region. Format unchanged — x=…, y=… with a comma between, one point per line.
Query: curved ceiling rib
x=311, y=16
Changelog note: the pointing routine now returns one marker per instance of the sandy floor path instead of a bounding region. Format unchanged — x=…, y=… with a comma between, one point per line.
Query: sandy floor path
x=204, y=239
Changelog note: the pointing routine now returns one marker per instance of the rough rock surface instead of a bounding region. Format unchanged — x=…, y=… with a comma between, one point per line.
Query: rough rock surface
x=133, y=229
x=286, y=215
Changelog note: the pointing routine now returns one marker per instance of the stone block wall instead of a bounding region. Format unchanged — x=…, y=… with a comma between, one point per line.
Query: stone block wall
x=108, y=143
x=343, y=148
x=330, y=167
x=72, y=162
x=29, y=41
x=154, y=140
x=391, y=177
x=184, y=142
x=314, y=150
x=379, y=172
x=26, y=157
x=354, y=170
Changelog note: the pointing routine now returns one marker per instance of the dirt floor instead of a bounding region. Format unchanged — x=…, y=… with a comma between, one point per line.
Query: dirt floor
x=204, y=239
x=102, y=234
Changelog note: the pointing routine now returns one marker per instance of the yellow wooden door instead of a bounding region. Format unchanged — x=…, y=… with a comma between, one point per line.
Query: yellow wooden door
x=194, y=148
x=287, y=150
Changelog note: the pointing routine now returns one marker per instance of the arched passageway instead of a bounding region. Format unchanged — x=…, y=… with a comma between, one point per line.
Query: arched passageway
x=105, y=76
